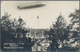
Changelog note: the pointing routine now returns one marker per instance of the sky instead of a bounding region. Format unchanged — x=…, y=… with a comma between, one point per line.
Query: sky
x=47, y=14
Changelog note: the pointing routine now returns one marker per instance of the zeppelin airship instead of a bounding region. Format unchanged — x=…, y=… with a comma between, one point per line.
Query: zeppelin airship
x=31, y=6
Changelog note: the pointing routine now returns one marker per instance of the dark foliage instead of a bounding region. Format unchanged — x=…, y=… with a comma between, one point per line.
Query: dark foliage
x=12, y=30
x=57, y=33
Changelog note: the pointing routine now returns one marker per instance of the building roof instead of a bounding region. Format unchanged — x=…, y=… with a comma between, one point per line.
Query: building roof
x=38, y=32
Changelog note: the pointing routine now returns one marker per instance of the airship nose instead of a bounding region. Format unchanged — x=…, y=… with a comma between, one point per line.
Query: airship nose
x=44, y=4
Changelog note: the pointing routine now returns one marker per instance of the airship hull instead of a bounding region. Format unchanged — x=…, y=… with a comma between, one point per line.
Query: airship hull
x=31, y=6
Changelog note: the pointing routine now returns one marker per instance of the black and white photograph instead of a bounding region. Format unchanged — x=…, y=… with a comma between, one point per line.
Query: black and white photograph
x=40, y=26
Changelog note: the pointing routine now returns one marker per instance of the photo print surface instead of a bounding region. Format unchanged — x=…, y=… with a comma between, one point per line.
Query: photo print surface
x=40, y=25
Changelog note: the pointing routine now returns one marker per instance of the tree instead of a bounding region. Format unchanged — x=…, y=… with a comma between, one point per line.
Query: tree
x=74, y=32
x=12, y=30
x=58, y=32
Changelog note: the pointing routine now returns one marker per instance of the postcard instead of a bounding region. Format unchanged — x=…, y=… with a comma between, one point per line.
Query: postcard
x=40, y=26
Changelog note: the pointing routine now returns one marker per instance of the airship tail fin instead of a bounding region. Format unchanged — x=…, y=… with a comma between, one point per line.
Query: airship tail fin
x=18, y=7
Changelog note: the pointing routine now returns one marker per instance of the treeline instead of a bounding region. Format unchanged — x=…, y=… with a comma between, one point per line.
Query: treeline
x=13, y=30
x=64, y=37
